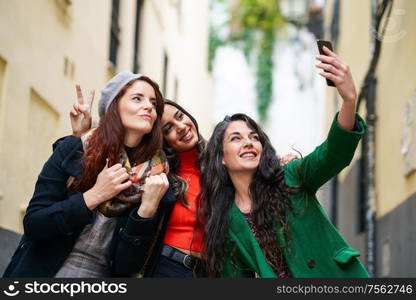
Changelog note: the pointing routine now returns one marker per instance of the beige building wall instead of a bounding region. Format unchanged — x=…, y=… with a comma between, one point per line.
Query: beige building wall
x=396, y=85
x=395, y=136
x=179, y=30
x=46, y=47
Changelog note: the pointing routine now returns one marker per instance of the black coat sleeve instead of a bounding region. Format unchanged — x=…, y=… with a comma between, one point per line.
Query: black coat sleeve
x=136, y=237
x=52, y=211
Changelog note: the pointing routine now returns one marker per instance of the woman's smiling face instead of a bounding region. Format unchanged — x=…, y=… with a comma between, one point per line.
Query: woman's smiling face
x=241, y=147
x=178, y=129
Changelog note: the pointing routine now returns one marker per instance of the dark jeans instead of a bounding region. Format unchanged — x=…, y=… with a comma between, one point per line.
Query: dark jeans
x=168, y=268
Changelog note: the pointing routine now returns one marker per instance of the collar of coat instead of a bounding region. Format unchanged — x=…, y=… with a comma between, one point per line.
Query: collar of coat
x=247, y=244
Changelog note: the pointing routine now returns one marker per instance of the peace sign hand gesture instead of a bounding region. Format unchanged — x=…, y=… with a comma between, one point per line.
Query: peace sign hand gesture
x=80, y=113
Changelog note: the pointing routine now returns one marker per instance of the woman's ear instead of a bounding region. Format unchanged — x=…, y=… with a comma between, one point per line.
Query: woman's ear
x=223, y=162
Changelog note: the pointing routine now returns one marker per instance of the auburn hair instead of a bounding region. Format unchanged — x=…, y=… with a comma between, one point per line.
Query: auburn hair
x=107, y=140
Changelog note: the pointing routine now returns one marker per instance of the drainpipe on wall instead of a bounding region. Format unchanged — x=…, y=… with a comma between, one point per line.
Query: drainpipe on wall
x=368, y=93
x=334, y=31
x=368, y=147
x=368, y=151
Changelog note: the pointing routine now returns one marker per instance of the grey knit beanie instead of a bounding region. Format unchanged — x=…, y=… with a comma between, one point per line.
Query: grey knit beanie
x=113, y=87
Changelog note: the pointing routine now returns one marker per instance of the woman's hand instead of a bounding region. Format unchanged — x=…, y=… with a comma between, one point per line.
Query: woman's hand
x=110, y=182
x=287, y=158
x=339, y=72
x=155, y=188
x=80, y=114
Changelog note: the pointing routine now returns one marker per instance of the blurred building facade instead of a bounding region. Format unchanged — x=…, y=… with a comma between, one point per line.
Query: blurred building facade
x=374, y=200
x=173, y=49
x=47, y=46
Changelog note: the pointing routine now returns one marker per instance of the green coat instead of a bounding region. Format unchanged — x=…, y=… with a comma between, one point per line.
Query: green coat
x=316, y=248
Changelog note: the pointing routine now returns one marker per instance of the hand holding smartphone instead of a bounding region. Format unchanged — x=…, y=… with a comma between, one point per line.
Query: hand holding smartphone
x=321, y=44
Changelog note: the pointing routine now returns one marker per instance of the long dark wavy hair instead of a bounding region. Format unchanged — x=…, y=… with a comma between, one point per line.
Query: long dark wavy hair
x=178, y=184
x=268, y=191
x=107, y=141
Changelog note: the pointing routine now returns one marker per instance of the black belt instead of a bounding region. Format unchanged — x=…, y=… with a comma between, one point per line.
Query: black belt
x=174, y=254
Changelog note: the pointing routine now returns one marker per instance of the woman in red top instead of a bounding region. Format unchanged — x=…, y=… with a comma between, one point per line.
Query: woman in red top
x=182, y=242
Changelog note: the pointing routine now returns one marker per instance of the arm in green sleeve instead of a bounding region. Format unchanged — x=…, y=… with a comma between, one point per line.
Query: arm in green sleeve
x=328, y=159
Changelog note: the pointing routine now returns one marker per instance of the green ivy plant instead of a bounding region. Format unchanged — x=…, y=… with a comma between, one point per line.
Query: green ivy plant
x=254, y=24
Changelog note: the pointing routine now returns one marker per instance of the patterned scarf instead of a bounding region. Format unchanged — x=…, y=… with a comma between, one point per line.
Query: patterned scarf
x=120, y=203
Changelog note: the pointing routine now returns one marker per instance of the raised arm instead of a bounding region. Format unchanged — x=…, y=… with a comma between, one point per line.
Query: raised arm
x=333, y=155
x=339, y=72
x=328, y=159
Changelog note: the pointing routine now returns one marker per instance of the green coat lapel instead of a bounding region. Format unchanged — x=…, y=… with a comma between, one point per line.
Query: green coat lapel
x=247, y=244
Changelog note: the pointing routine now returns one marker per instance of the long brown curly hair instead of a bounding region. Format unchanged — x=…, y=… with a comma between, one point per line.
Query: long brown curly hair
x=107, y=141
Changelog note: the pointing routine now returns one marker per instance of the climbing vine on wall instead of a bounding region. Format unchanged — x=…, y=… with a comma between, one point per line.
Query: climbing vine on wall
x=252, y=24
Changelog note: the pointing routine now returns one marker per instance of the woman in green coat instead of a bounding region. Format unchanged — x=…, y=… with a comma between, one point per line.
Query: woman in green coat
x=262, y=219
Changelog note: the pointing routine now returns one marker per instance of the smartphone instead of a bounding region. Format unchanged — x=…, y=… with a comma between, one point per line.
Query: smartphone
x=327, y=44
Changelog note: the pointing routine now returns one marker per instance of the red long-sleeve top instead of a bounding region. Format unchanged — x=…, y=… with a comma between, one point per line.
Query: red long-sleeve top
x=181, y=230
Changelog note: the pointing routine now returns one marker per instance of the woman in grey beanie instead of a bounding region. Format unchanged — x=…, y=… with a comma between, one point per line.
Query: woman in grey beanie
x=91, y=187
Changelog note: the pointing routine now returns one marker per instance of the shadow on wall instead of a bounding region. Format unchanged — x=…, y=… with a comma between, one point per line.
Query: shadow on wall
x=8, y=243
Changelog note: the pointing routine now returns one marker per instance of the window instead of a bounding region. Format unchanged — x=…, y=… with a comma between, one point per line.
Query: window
x=408, y=136
x=176, y=89
x=178, y=7
x=165, y=73
x=2, y=80
x=69, y=68
x=136, y=63
x=2, y=76
x=114, y=32
x=64, y=10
